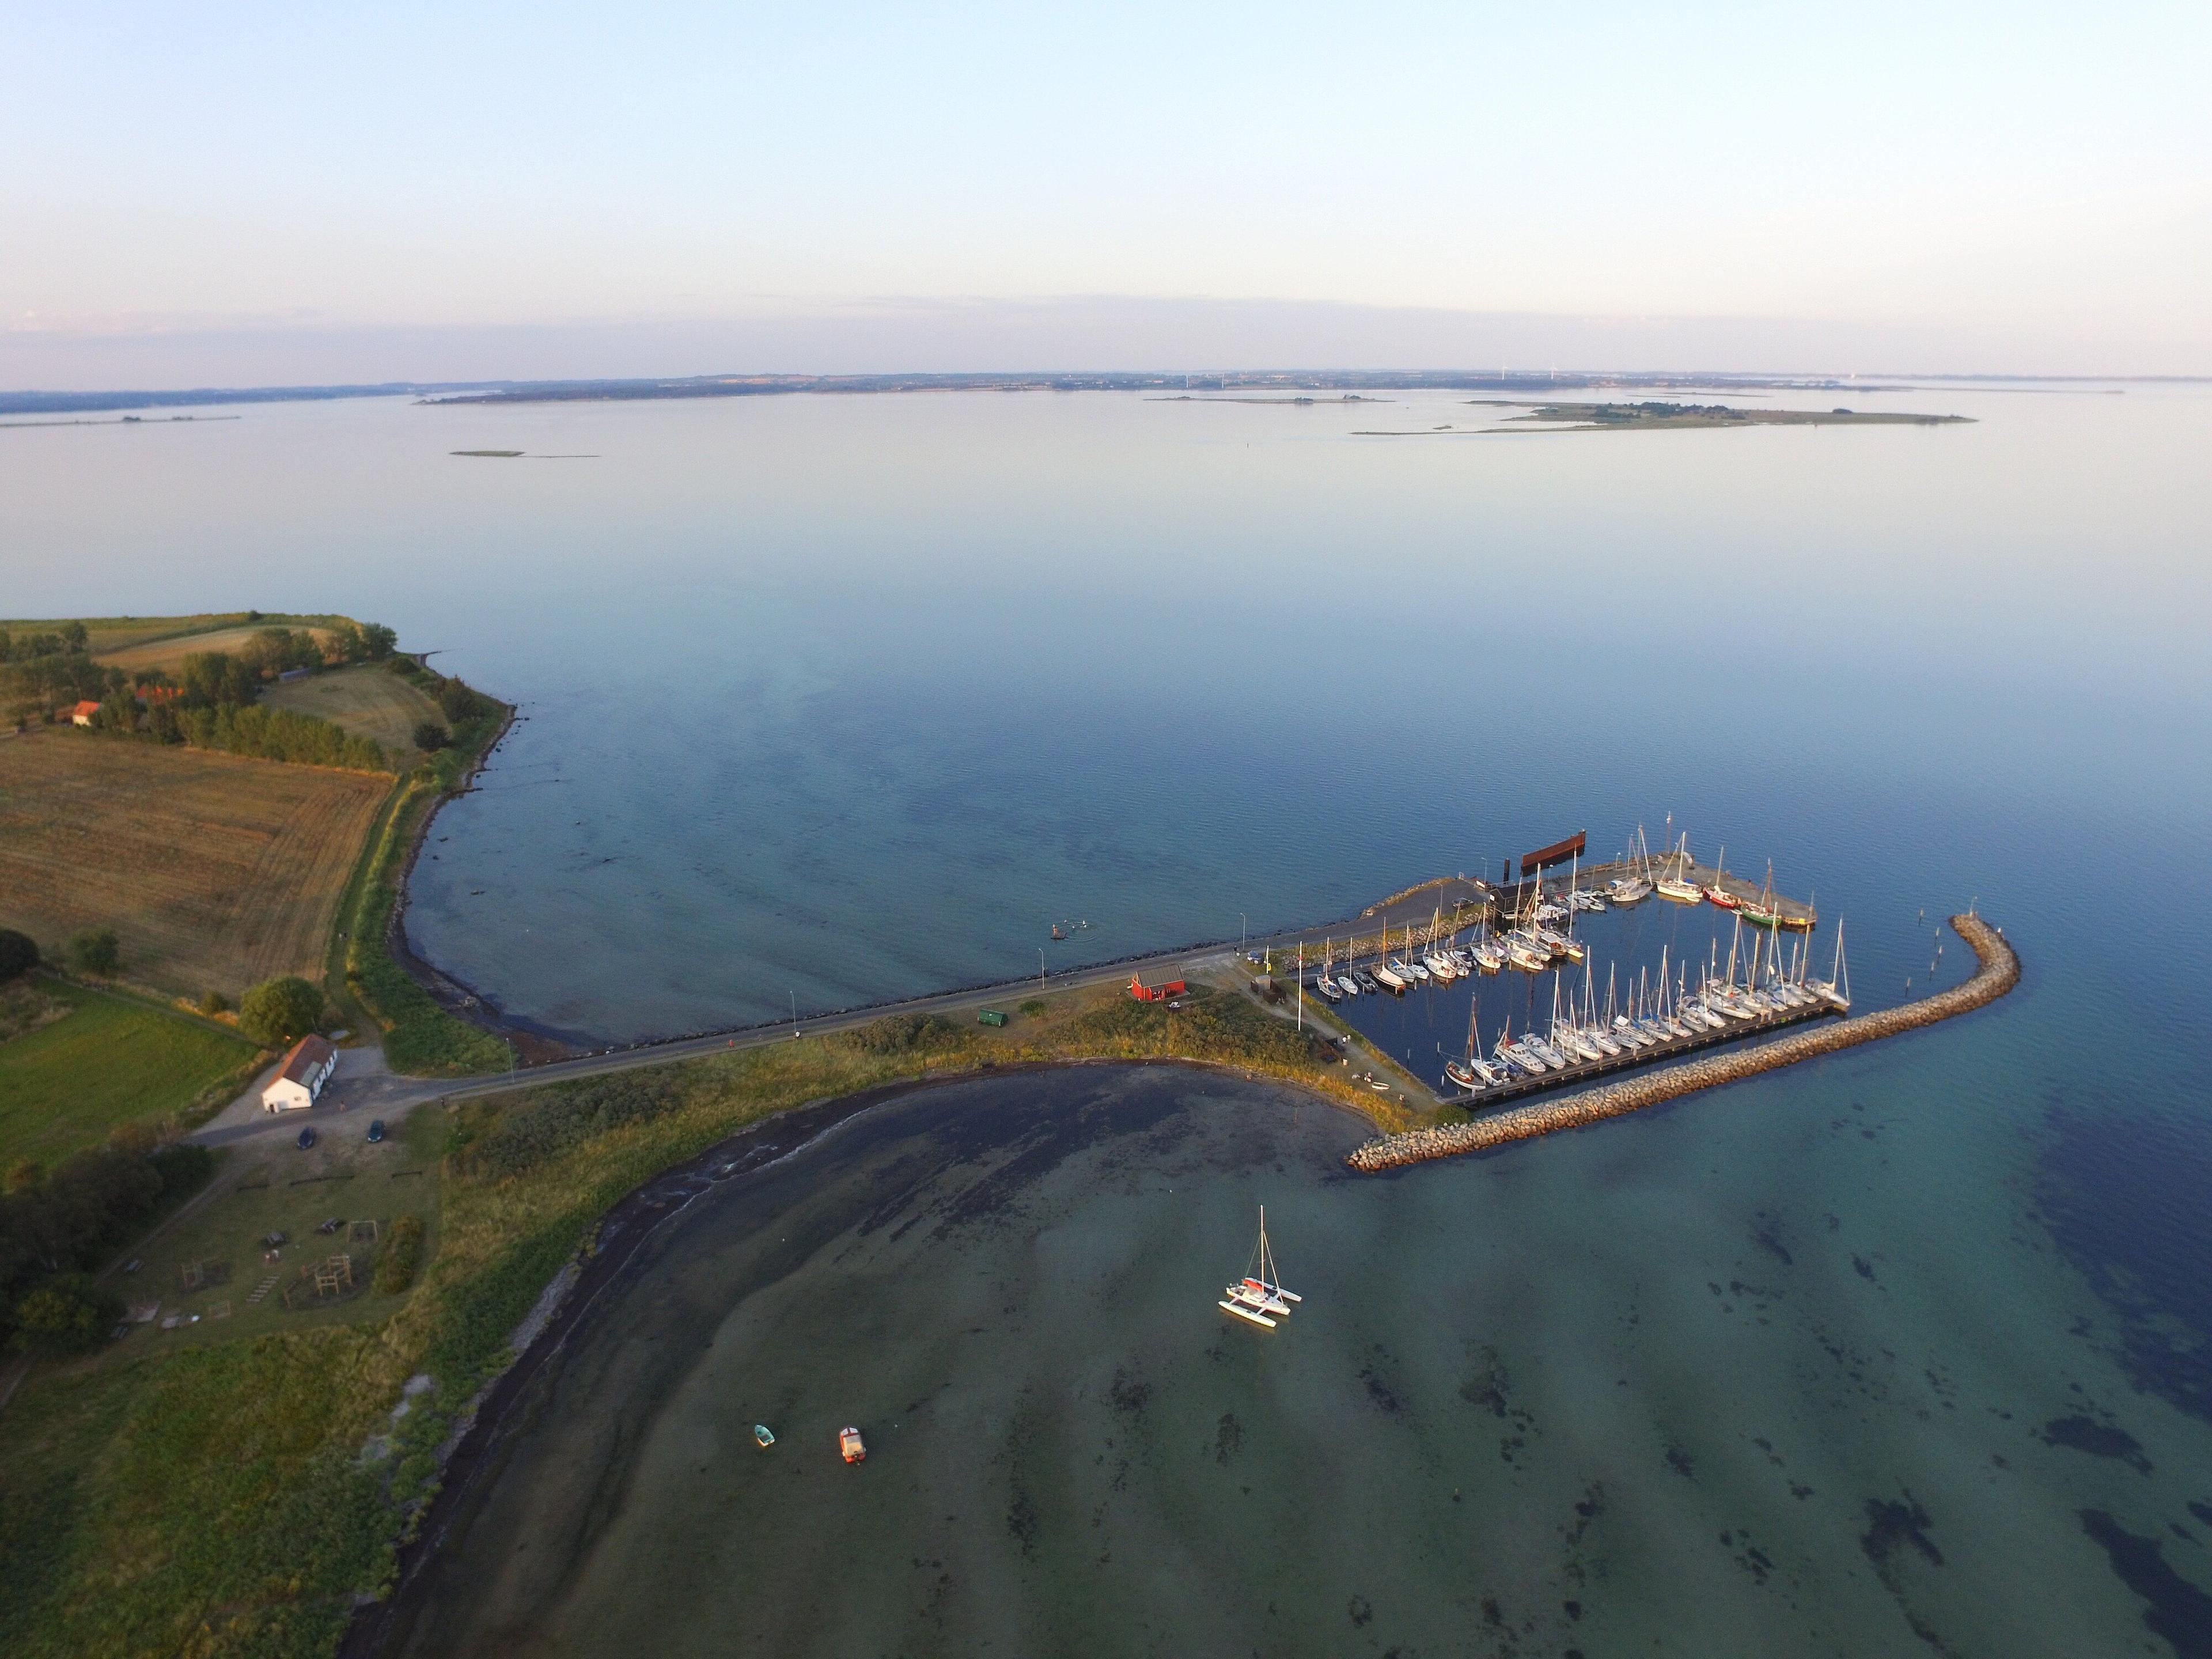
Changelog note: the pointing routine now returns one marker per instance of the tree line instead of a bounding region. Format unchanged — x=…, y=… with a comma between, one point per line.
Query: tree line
x=277, y=734
x=49, y=669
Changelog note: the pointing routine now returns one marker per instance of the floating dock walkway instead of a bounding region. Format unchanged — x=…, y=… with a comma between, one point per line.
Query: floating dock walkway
x=1632, y=1059
x=1999, y=973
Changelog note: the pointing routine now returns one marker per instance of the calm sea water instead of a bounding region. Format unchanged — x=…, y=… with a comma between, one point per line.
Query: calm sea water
x=832, y=699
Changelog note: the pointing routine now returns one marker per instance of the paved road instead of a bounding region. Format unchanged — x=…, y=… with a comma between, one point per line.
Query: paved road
x=364, y=1089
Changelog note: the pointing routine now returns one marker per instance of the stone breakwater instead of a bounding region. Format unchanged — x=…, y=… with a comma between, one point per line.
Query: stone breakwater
x=1999, y=973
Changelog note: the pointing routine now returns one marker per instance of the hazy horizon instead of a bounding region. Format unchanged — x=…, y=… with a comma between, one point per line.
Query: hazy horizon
x=237, y=196
x=1092, y=336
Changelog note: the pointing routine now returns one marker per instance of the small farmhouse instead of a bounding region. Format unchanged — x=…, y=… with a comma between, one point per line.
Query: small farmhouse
x=301, y=1077
x=83, y=712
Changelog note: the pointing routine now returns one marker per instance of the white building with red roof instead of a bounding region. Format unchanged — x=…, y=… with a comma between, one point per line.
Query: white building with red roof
x=301, y=1077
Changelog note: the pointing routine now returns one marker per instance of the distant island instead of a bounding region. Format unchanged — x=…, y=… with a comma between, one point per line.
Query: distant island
x=1665, y=417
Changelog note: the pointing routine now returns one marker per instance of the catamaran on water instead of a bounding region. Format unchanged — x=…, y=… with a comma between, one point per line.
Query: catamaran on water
x=1259, y=1297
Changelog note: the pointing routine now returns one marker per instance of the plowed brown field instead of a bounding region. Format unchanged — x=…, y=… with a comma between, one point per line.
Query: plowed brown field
x=215, y=871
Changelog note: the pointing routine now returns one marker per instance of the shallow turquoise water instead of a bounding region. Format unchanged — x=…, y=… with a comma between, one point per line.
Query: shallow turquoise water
x=1746, y=1375
x=832, y=699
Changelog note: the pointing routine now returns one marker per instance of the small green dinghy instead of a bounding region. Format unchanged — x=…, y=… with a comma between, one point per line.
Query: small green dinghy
x=761, y=1434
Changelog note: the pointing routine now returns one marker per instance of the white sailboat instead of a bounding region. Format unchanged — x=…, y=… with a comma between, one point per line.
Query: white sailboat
x=1259, y=1297
x=1678, y=887
x=1637, y=884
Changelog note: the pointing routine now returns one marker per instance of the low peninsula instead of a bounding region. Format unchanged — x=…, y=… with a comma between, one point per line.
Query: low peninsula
x=1657, y=417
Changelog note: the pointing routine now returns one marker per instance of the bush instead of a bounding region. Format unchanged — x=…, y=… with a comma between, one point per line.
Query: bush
x=68, y=1313
x=214, y=1003
x=403, y=1254
x=280, y=1011
x=431, y=736
x=458, y=703
x=18, y=954
x=899, y=1034
x=1034, y=1006
x=548, y=1123
x=95, y=950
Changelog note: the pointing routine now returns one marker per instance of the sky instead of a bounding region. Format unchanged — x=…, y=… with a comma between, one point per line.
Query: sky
x=250, y=194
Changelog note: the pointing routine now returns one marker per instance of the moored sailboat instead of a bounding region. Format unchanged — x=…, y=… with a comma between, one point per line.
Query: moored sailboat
x=1259, y=1297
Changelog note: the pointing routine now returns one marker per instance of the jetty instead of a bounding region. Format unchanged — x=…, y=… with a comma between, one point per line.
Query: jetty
x=1997, y=973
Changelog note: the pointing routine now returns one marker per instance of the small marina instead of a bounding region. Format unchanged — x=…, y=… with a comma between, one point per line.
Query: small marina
x=1570, y=972
x=1996, y=973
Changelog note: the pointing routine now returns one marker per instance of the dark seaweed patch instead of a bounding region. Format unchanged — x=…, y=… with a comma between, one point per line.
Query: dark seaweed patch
x=1228, y=1438
x=1767, y=1234
x=2179, y=1611
x=2122, y=1192
x=2086, y=1434
x=1377, y=1378
x=1021, y=1520
x=1129, y=1394
x=1587, y=1510
x=1360, y=1610
x=1486, y=1388
x=1889, y=1525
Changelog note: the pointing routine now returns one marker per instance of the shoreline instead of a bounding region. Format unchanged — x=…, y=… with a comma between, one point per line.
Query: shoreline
x=534, y=1044
x=610, y=1253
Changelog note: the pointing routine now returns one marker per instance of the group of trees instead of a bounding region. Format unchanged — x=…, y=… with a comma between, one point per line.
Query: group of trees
x=67, y=637
x=18, y=954
x=276, y=734
x=95, y=950
x=49, y=669
x=280, y=1011
x=89, y=951
x=55, y=1225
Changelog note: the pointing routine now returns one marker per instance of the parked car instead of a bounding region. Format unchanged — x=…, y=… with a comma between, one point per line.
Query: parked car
x=376, y=1130
x=307, y=1138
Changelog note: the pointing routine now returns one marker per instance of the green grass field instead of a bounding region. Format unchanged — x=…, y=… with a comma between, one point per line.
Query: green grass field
x=110, y=1060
